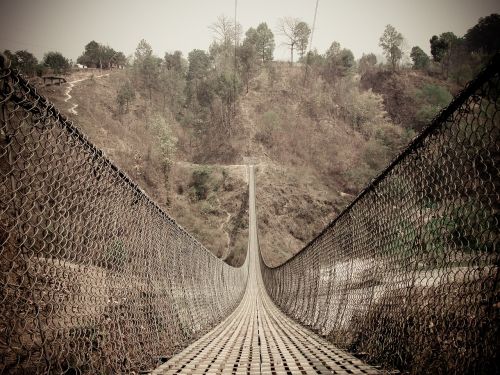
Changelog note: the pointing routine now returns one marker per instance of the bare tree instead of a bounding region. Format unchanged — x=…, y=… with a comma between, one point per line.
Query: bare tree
x=224, y=30
x=286, y=27
x=296, y=33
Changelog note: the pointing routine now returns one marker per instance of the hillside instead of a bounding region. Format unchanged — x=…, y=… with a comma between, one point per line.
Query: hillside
x=132, y=142
x=403, y=94
x=315, y=144
x=318, y=129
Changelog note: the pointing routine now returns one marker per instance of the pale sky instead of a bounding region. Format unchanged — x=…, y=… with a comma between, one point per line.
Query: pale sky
x=67, y=25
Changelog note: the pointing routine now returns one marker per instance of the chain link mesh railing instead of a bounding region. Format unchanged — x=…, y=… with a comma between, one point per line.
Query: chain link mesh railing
x=95, y=277
x=407, y=276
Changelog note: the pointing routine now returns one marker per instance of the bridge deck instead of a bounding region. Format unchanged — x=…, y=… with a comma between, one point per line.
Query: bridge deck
x=257, y=338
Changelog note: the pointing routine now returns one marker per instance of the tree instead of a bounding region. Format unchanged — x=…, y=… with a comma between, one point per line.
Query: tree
x=57, y=62
x=246, y=57
x=172, y=84
x=26, y=62
x=438, y=48
x=11, y=56
x=124, y=96
x=226, y=37
x=175, y=61
x=420, y=59
x=443, y=49
x=172, y=81
x=120, y=59
x=314, y=59
x=199, y=64
x=251, y=37
x=225, y=31
x=367, y=63
x=143, y=51
x=286, y=28
x=262, y=39
x=296, y=33
x=100, y=56
x=146, y=65
x=225, y=89
x=391, y=42
x=302, y=32
x=167, y=142
x=338, y=62
x=441, y=44
x=314, y=62
x=265, y=42
x=22, y=60
x=483, y=37
x=91, y=56
x=107, y=55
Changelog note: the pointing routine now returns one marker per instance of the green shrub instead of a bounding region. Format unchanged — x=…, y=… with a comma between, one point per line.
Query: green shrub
x=436, y=95
x=199, y=182
x=357, y=177
x=392, y=136
x=462, y=74
x=166, y=140
x=433, y=98
x=208, y=208
x=360, y=108
x=270, y=122
x=468, y=226
x=375, y=154
x=426, y=113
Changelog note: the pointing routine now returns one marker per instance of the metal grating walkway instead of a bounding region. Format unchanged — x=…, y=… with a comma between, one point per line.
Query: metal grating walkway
x=257, y=338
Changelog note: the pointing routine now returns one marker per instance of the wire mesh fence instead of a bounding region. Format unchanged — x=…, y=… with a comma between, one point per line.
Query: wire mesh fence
x=407, y=276
x=95, y=277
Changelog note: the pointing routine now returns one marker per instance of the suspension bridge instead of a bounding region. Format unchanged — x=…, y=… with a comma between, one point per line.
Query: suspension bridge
x=97, y=278
x=257, y=338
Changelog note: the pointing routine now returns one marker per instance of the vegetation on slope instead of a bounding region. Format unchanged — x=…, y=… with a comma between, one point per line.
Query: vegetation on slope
x=319, y=130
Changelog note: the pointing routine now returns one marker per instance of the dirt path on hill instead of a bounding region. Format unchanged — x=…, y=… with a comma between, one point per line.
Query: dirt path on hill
x=70, y=87
x=254, y=152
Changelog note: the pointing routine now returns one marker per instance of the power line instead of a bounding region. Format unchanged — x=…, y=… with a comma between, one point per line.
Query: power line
x=235, y=37
x=313, y=25
x=235, y=50
x=311, y=41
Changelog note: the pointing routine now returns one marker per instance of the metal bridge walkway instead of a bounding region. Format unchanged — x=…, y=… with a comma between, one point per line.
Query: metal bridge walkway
x=257, y=338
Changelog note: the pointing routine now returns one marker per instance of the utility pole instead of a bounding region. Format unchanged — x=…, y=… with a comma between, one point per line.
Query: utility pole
x=310, y=41
x=235, y=50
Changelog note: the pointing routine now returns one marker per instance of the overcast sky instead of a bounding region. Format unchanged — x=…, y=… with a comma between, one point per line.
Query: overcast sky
x=168, y=25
